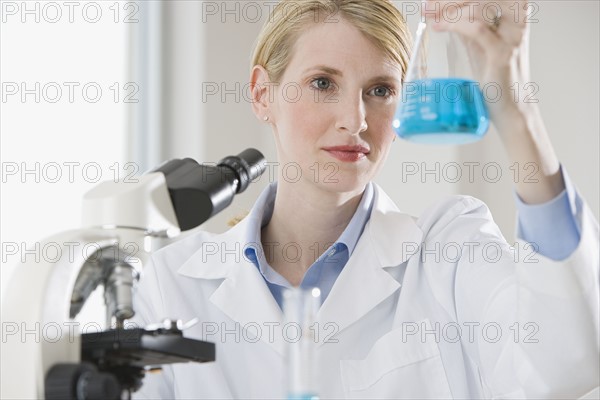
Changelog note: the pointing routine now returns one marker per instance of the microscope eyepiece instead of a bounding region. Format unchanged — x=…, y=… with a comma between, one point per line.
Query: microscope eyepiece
x=246, y=166
x=200, y=191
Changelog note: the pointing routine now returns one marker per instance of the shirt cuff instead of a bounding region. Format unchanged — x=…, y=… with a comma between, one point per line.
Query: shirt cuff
x=552, y=226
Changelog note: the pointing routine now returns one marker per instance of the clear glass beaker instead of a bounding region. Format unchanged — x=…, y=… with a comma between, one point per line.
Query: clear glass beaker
x=441, y=101
x=300, y=307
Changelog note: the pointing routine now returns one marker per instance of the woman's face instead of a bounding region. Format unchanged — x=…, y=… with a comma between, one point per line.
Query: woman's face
x=332, y=111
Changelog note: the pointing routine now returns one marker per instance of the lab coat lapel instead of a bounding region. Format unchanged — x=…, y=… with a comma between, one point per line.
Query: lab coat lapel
x=390, y=238
x=246, y=299
x=243, y=295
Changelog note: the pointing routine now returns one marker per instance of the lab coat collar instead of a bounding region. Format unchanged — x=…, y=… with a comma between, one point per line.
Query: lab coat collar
x=395, y=235
x=390, y=239
x=243, y=295
x=219, y=254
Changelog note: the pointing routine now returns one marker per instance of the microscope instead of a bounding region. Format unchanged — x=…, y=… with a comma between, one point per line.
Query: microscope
x=45, y=353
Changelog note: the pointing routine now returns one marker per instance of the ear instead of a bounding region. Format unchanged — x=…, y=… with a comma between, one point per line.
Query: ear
x=260, y=89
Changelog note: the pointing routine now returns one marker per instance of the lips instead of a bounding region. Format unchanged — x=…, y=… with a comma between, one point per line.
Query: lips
x=348, y=153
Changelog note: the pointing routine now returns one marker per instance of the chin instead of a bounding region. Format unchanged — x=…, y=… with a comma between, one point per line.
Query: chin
x=344, y=183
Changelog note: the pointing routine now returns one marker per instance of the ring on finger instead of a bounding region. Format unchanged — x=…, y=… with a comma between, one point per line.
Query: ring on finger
x=496, y=22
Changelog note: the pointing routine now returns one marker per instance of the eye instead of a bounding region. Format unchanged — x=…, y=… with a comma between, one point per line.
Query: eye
x=383, y=91
x=321, y=83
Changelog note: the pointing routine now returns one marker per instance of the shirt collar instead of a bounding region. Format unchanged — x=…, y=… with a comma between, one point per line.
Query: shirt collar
x=261, y=214
x=357, y=224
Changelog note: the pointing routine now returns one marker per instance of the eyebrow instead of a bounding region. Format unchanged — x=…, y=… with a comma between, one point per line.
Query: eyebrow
x=385, y=78
x=326, y=69
x=333, y=71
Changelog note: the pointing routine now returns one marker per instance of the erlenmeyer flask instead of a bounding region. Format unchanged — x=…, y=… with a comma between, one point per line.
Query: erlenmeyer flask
x=441, y=100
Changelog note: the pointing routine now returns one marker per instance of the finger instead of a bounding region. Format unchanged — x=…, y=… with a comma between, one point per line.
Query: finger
x=492, y=14
x=505, y=18
x=489, y=42
x=517, y=10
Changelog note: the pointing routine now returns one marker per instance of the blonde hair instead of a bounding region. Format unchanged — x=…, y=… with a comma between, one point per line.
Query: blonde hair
x=379, y=20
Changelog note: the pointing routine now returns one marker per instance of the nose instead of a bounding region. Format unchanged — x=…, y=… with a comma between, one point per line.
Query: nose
x=351, y=115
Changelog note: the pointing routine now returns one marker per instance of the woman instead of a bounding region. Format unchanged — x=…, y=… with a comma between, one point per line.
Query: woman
x=399, y=319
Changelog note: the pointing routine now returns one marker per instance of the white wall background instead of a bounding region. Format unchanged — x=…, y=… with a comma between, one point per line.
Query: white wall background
x=206, y=43
x=67, y=142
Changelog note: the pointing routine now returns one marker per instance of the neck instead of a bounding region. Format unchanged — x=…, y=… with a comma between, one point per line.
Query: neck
x=306, y=221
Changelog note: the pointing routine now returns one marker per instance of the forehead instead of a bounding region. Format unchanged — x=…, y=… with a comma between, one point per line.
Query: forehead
x=342, y=46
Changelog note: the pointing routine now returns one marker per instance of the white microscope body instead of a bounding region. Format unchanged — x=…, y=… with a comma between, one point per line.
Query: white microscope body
x=123, y=223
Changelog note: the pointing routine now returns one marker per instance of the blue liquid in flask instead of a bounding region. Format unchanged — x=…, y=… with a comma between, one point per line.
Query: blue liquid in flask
x=441, y=111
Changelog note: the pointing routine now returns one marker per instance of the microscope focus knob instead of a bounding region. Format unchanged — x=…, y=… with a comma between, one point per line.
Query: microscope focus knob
x=80, y=382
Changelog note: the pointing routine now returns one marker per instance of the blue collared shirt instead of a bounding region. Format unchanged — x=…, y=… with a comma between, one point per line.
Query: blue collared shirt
x=551, y=226
x=325, y=270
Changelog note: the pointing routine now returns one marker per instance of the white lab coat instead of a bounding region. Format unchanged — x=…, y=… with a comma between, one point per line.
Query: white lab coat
x=390, y=325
